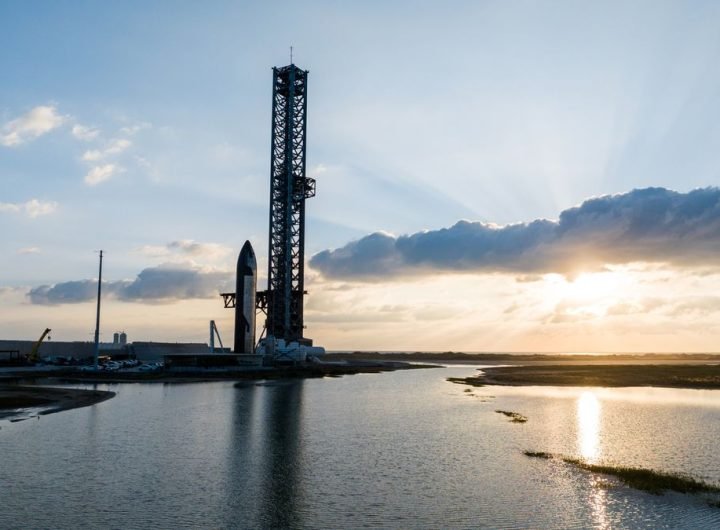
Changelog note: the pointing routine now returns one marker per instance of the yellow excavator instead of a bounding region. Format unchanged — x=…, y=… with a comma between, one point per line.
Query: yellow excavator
x=33, y=356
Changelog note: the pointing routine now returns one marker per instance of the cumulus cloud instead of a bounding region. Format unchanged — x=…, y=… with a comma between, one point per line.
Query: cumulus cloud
x=115, y=147
x=64, y=293
x=32, y=208
x=84, y=133
x=100, y=174
x=647, y=225
x=40, y=120
x=170, y=282
x=165, y=283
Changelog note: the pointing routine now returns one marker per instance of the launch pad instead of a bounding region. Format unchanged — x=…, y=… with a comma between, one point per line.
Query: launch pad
x=282, y=303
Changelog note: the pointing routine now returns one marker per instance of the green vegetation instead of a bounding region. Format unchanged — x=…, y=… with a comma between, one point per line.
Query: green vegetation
x=515, y=417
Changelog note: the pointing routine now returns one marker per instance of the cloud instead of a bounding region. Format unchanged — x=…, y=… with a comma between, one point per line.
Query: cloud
x=32, y=208
x=697, y=305
x=36, y=208
x=134, y=129
x=100, y=174
x=10, y=207
x=165, y=283
x=29, y=250
x=40, y=120
x=64, y=293
x=171, y=282
x=115, y=147
x=185, y=248
x=645, y=225
x=84, y=133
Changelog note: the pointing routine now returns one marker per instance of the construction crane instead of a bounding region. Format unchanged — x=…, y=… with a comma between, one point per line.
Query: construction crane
x=33, y=355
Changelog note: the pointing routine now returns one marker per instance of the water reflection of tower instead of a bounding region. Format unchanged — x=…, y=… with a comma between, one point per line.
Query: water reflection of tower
x=264, y=461
x=244, y=452
x=283, y=447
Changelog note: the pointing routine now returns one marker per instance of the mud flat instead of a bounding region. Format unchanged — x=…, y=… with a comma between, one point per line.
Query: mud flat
x=16, y=400
x=698, y=376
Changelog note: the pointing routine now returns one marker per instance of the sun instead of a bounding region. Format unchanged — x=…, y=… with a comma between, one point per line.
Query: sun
x=597, y=286
x=590, y=294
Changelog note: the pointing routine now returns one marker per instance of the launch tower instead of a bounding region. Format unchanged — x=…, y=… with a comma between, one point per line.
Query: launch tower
x=282, y=302
x=289, y=187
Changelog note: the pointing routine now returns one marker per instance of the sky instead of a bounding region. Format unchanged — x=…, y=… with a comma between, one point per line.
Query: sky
x=491, y=176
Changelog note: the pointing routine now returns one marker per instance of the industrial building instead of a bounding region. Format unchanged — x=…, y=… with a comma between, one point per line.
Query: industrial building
x=140, y=350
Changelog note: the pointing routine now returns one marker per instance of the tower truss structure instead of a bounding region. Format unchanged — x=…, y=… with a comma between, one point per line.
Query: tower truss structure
x=289, y=187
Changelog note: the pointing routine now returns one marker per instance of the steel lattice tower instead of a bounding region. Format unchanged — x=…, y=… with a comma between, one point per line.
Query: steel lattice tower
x=289, y=187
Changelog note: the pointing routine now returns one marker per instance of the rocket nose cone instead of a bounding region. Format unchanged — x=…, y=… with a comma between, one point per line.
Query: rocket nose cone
x=247, y=256
x=247, y=248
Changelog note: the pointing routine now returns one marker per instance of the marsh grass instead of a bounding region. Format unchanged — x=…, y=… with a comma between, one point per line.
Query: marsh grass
x=655, y=482
x=515, y=417
x=538, y=454
x=465, y=381
x=649, y=480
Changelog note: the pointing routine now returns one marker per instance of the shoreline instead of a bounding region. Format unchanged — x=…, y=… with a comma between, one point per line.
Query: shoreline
x=74, y=376
x=691, y=376
x=21, y=402
x=18, y=402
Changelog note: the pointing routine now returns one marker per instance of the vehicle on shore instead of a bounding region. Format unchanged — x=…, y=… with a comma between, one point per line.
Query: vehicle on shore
x=151, y=367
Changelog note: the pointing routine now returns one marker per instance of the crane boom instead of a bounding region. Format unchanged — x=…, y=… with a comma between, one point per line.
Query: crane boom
x=33, y=356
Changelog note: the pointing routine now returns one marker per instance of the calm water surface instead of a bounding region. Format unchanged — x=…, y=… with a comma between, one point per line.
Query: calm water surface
x=395, y=450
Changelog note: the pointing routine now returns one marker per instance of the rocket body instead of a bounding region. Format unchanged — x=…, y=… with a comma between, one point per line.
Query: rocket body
x=245, y=289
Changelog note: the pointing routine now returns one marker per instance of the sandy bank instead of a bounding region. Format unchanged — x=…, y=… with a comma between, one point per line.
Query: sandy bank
x=15, y=400
x=699, y=376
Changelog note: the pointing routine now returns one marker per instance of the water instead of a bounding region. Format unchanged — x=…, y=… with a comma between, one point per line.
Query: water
x=394, y=450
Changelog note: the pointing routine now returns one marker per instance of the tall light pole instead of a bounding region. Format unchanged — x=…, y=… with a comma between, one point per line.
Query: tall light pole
x=97, y=319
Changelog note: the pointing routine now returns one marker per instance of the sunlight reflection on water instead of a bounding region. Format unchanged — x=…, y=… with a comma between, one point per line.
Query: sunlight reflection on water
x=598, y=505
x=588, y=417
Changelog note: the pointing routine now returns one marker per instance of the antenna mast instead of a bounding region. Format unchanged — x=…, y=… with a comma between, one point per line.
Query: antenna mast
x=97, y=319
